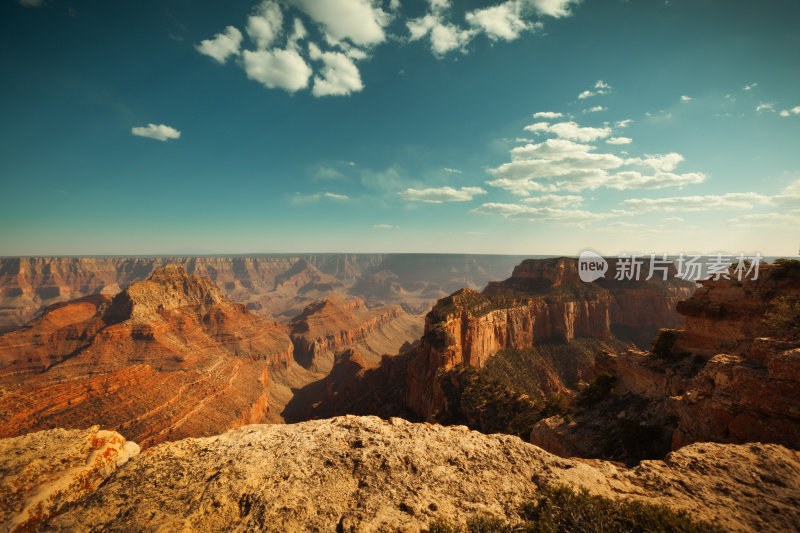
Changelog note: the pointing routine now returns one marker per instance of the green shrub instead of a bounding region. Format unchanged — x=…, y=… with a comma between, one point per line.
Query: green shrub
x=559, y=509
x=601, y=387
x=786, y=268
x=556, y=404
x=663, y=344
x=782, y=317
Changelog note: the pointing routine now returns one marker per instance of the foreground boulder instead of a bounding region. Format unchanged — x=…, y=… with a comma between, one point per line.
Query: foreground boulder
x=42, y=472
x=368, y=474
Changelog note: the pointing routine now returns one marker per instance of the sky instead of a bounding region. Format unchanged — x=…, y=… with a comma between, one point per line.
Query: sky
x=306, y=126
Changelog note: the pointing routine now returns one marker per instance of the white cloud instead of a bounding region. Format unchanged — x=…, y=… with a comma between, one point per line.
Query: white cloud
x=600, y=87
x=360, y=21
x=790, y=112
x=452, y=170
x=444, y=37
x=624, y=123
x=562, y=164
x=552, y=8
x=570, y=130
x=159, y=132
x=283, y=69
x=765, y=107
x=222, y=45
x=685, y=98
x=750, y=87
x=312, y=198
x=503, y=21
x=340, y=76
x=383, y=226
x=548, y=114
x=664, y=162
x=441, y=194
x=576, y=217
x=265, y=26
x=630, y=179
x=335, y=196
x=596, y=108
x=727, y=201
x=766, y=220
x=672, y=219
x=553, y=200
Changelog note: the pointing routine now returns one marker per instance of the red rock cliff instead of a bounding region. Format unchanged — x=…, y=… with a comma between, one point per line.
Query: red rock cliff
x=166, y=358
x=543, y=300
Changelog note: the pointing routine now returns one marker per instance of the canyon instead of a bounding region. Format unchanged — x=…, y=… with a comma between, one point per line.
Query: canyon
x=273, y=286
x=543, y=300
x=707, y=421
x=171, y=357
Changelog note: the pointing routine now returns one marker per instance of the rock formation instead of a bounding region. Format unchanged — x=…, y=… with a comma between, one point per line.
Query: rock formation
x=333, y=324
x=368, y=474
x=543, y=300
x=166, y=358
x=40, y=473
x=714, y=380
x=270, y=285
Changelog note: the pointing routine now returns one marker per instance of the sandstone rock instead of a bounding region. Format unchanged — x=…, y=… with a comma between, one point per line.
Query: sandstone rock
x=279, y=285
x=543, y=300
x=42, y=472
x=368, y=474
x=724, y=316
x=334, y=324
x=750, y=398
x=168, y=357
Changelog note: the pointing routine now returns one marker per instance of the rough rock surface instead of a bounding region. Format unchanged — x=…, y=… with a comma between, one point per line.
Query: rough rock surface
x=367, y=474
x=750, y=398
x=166, y=358
x=724, y=316
x=334, y=324
x=42, y=472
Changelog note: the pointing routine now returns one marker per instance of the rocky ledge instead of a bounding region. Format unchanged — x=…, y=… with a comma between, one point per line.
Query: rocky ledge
x=368, y=474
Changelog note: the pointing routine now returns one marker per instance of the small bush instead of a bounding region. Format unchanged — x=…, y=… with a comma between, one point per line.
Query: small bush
x=561, y=509
x=787, y=268
x=782, y=317
x=663, y=343
x=601, y=387
x=556, y=404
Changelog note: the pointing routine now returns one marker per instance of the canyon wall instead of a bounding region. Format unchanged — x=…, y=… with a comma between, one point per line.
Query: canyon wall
x=543, y=300
x=270, y=285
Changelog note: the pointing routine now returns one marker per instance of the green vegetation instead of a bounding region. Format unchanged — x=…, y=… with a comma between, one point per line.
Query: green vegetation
x=486, y=404
x=663, y=344
x=474, y=303
x=599, y=389
x=786, y=269
x=562, y=509
x=782, y=317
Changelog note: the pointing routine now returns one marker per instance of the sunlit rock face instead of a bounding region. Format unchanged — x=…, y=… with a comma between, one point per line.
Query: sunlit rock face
x=367, y=474
x=166, y=358
x=543, y=300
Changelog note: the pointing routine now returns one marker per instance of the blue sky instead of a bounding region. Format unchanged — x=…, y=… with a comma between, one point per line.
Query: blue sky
x=520, y=127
